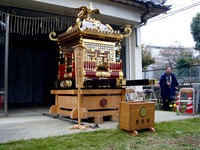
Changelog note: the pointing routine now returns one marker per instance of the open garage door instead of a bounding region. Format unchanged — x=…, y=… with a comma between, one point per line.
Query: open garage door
x=32, y=69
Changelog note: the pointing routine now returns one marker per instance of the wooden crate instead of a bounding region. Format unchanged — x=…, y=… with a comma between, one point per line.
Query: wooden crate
x=136, y=115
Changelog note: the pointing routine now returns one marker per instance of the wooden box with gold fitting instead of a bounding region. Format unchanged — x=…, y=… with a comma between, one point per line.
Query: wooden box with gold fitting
x=137, y=116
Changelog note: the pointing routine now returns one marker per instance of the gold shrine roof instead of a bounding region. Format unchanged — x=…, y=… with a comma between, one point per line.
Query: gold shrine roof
x=91, y=28
x=88, y=27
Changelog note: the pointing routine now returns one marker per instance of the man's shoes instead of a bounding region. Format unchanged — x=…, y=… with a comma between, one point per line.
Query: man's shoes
x=170, y=109
x=165, y=109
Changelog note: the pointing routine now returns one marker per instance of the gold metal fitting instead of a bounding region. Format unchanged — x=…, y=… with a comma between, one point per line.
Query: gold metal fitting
x=120, y=82
x=70, y=75
x=153, y=81
x=121, y=74
x=103, y=74
x=66, y=84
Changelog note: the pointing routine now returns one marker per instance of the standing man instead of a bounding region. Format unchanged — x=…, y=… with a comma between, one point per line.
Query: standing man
x=168, y=84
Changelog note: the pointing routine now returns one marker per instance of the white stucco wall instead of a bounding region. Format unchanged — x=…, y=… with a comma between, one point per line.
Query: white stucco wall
x=110, y=11
x=107, y=8
x=134, y=58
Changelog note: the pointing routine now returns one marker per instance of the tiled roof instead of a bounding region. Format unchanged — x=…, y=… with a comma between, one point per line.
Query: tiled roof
x=159, y=4
x=156, y=3
x=148, y=8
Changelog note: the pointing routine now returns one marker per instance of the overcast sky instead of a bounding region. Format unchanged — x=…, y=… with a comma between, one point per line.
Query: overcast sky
x=173, y=28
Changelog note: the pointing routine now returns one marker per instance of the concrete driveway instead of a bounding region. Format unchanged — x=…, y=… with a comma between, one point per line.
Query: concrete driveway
x=30, y=123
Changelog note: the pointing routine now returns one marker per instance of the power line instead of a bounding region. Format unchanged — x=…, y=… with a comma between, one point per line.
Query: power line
x=183, y=4
x=174, y=12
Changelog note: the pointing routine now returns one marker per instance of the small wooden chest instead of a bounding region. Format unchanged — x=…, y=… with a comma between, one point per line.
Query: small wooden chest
x=136, y=115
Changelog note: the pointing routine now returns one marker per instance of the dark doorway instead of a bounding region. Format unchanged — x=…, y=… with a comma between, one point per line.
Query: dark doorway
x=32, y=69
x=2, y=71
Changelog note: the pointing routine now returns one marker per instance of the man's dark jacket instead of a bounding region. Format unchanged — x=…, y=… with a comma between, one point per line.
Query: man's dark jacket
x=167, y=91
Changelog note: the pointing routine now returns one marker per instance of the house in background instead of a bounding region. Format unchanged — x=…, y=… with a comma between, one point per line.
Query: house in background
x=29, y=58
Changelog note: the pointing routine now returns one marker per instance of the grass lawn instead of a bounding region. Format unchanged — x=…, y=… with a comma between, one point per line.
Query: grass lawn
x=180, y=135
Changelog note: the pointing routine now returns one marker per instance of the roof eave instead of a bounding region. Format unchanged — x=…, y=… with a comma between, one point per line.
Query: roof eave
x=141, y=4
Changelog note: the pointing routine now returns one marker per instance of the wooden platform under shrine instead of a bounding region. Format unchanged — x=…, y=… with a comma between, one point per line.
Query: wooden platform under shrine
x=95, y=103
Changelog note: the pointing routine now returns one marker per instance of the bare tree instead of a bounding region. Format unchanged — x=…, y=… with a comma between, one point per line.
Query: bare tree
x=147, y=58
x=171, y=53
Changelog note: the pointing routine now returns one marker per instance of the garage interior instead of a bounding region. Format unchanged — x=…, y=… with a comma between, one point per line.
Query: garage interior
x=32, y=64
